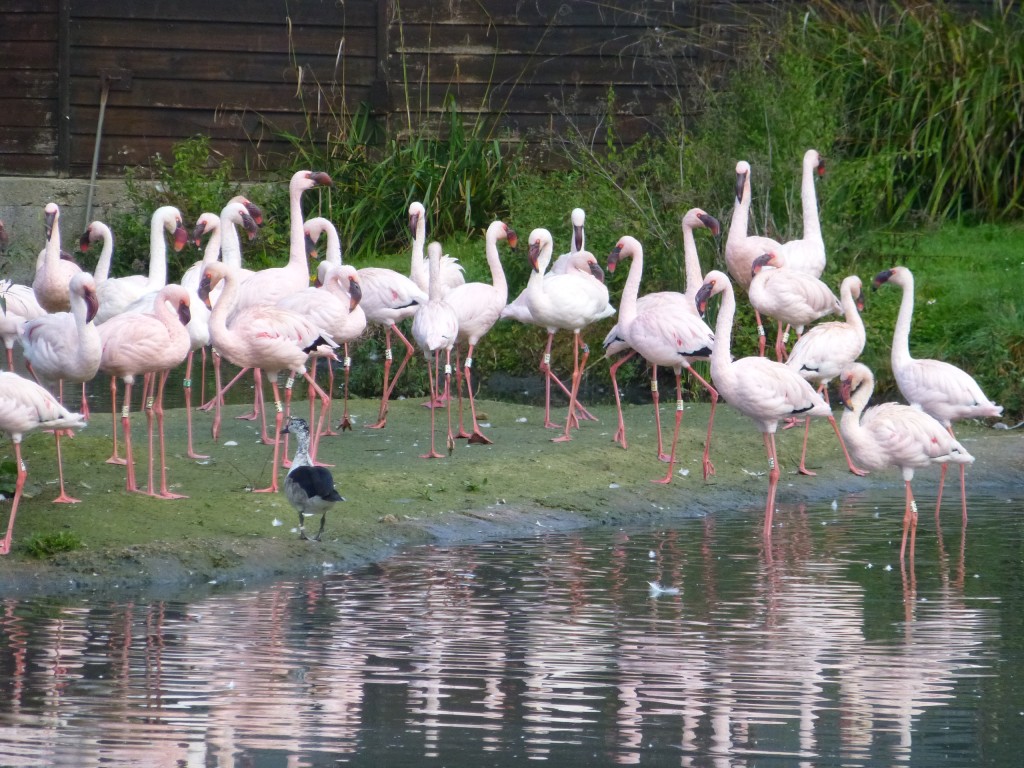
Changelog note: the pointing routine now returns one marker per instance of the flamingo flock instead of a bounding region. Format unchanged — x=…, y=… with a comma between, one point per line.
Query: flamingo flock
x=72, y=324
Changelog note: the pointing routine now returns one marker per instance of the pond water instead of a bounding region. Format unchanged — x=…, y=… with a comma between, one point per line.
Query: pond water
x=812, y=649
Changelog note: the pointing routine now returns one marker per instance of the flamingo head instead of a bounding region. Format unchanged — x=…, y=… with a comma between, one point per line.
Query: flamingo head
x=851, y=381
x=765, y=260
x=578, y=217
x=250, y=207
x=899, y=275
x=714, y=282
x=212, y=274
x=250, y=225
x=50, y=215
x=742, y=177
x=511, y=237
x=204, y=224
x=83, y=285
x=710, y=222
x=180, y=234
x=594, y=268
x=417, y=214
x=355, y=292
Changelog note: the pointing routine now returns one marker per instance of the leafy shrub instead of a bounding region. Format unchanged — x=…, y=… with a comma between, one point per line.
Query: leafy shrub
x=42, y=546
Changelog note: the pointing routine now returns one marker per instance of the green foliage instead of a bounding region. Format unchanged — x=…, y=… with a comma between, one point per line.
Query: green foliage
x=8, y=477
x=194, y=181
x=44, y=546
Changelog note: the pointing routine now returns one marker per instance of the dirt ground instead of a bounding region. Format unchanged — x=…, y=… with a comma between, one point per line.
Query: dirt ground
x=522, y=485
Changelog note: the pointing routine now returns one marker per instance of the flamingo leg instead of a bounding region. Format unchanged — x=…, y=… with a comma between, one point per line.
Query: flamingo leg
x=545, y=367
x=148, y=398
x=63, y=498
x=5, y=544
x=909, y=523
x=656, y=399
x=963, y=485
x=85, y=403
x=328, y=431
x=577, y=375
x=258, y=409
x=675, y=435
x=126, y=426
x=114, y=457
x=187, y=385
x=433, y=454
x=450, y=443
x=462, y=433
x=219, y=397
x=215, y=429
x=477, y=436
x=707, y=467
x=620, y=433
x=761, y=339
x=278, y=420
x=159, y=408
x=773, y=481
x=389, y=388
x=346, y=423
x=10, y=358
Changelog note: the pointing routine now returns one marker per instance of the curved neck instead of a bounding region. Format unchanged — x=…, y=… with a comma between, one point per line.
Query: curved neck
x=417, y=264
x=333, y=245
x=157, y=252
x=230, y=245
x=809, y=204
x=850, y=312
x=212, y=251
x=494, y=262
x=297, y=235
x=901, y=333
x=630, y=291
x=223, y=308
x=102, y=271
x=740, y=214
x=721, y=355
x=691, y=263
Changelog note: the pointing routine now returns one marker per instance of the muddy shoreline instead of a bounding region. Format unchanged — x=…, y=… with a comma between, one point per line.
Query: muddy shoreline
x=522, y=485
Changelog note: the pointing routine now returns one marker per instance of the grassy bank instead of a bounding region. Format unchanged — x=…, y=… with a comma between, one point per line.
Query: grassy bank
x=521, y=485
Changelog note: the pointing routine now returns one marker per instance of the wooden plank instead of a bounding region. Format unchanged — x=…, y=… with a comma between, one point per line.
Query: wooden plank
x=29, y=27
x=14, y=8
x=27, y=165
x=227, y=67
x=140, y=152
x=29, y=113
x=474, y=97
x=30, y=55
x=358, y=12
x=541, y=13
x=28, y=84
x=30, y=140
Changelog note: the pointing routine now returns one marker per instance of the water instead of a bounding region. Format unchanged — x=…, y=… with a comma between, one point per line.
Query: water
x=814, y=650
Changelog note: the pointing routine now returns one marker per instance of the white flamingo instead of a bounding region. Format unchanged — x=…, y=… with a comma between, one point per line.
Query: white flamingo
x=53, y=274
x=570, y=302
x=452, y=275
x=792, y=297
x=436, y=327
x=477, y=308
x=65, y=346
x=944, y=391
x=825, y=351
x=20, y=305
x=808, y=253
x=25, y=407
x=577, y=242
x=762, y=389
x=894, y=435
x=664, y=333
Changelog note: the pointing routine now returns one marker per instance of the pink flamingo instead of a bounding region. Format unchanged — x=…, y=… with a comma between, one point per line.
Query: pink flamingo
x=20, y=305
x=334, y=306
x=147, y=344
x=389, y=297
x=790, y=296
x=570, y=302
x=65, y=346
x=825, y=351
x=615, y=343
x=944, y=391
x=53, y=274
x=762, y=389
x=477, y=308
x=665, y=333
x=577, y=242
x=808, y=253
x=264, y=337
x=894, y=435
x=740, y=248
x=436, y=327
x=25, y=407
x=451, y=271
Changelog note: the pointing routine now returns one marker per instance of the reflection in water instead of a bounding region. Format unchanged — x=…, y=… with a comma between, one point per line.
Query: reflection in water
x=799, y=649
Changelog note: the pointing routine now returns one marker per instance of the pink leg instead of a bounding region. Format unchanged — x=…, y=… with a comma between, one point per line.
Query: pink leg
x=126, y=426
x=190, y=451
x=346, y=423
x=707, y=467
x=909, y=523
x=63, y=498
x=114, y=458
x=773, y=481
x=328, y=431
x=577, y=375
x=477, y=436
x=325, y=400
x=450, y=443
x=675, y=435
x=278, y=420
x=459, y=375
x=10, y=361
x=656, y=399
x=219, y=397
x=159, y=408
x=433, y=454
x=389, y=388
x=148, y=398
x=85, y=403
x=620, y=433
x=761, y=339
x=545, y=367
x=5, y=544
x=259, y=410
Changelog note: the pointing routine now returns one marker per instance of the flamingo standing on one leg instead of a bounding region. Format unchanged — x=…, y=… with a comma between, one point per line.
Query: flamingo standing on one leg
x=262, y=337
x=148, y=344
x=894, y=435
x=615, y=343
x=436, y=327
x=477, y=308
x=570, y=301
x=944, y=391
x=825, y=351
x=65, y=346
x=25, y=407
x=762, y=389
x=664, y=333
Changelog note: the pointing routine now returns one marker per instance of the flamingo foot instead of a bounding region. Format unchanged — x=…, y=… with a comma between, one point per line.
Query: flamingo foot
x=620, y=437
x=193, y=455
x=117, y=460
x=549, y=424
x=248, y=416
x=858, y=471
x=345, y=425
x=478, y=438
x=708, y=469
x=269, y=489
x=169, y=495
x=805, y=471
x=791, y=422
x=664, y=480
x=561, y=439
x=462, y=434
x=432, y=455
x=65, y=499
x=379, y=425
x=664, y=457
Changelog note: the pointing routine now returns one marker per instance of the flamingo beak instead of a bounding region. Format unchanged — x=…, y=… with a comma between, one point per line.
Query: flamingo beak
x=85, y=241
x=92, y=304
x=254, y=210
x=311, y=251
x=880, y=278
x=180, y=236
x=511, y=237
x=741, y=180
x=355, y=293
x=596, y=271
x=710, y=222
x=197, y=233
x=205, y=286
x=321, y=179
x=184, y=313
x=533, y=254
x=613, y=257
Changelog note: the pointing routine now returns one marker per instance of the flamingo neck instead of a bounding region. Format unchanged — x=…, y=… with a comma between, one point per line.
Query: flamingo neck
x=157, y=252
x=212, y=251
x=494, y=262
x=222, y=311
x=418, y=265
x=740, y=215
x=721, y=355
x=691, y=264
x=809, y=204
x=434, y=288
x=102, y=271
x=630, y=291
x=230, y=245
x=901, y=333
x=851, y=313
x=333, y=245
x=297, y=235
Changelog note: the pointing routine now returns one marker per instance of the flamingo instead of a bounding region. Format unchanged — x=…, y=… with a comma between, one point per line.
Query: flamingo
x=808, y=253
x=790, y=296
x=309, y=488
x=477, y=308
x=25, y=407
x=265, y=337
x=451, y=271
x=615, y=343
x=825, y=351
x=577, y=242
x=580, y=263
x=944, y=391
x=98, y=231
x=116, y=293
x=65, y=346
x=389, y=297
x=740, y=248
x=435, y=327
x=19, y=306
x=762, y=389
x=147, y=344
x=894, y=435
x=334, y=306
x=570, y=302
x=665, y=333
x=53, y=274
